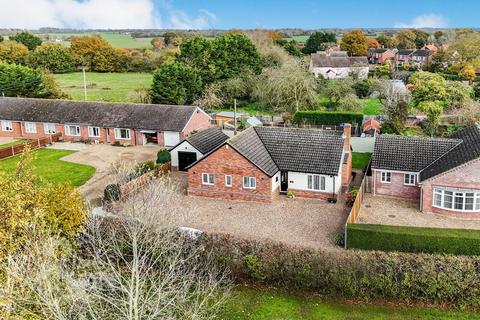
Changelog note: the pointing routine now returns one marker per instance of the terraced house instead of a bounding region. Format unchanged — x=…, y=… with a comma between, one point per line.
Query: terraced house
x=442, y=175
x=123, y=123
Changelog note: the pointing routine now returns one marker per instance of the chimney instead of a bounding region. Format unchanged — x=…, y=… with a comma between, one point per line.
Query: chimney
x=347, y=134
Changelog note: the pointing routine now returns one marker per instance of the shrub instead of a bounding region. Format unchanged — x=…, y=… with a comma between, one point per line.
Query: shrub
x=327, y=118
x=163, y=156
x=413, y=239
x=112, y=193
x=340, y=239
x=362, y=88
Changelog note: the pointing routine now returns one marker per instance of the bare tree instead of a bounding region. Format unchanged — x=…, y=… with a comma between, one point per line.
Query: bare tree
x=394, y=99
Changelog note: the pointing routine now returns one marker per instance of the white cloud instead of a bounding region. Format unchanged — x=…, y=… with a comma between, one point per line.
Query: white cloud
x=99, y=14
x=431, y=20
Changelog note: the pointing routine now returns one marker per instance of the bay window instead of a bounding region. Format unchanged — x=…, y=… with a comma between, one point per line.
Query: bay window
x=456, y=200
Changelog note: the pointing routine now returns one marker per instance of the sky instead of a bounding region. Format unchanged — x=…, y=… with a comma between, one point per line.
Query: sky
x=239, y=14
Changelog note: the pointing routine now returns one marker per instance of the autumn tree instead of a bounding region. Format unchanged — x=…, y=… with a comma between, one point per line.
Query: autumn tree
x=433, y=111
x=54, y=57
x=373, y=43
x=319, y=41
x=464, y=50
x=158, y=43
x=355, y=43
x=387, y=41
x=274, y=35
x=13, y=52
x=29, y=40
x=427, y=86
x=406, y=39
x=468, y=73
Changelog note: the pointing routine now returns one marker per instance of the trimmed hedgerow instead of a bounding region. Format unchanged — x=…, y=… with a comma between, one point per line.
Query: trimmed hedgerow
x=327, y=118
x=361, y=275
x=413, y=239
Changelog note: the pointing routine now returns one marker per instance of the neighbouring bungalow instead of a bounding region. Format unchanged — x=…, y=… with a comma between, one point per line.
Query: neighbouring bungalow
x=261, y=162
x=442, y=175
x=334, y=66
x=380, y=55
x=124, y=123
x=195, y=146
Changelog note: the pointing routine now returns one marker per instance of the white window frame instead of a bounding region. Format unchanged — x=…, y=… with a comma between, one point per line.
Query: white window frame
x=91, y=133
x=7, y=125
x=208, y=179
x=448, y=199
x=228, y=180
x=47, y=126
x=316, y=182
x=409, y=179
x=30, y=127
x=249, y=183
x=384, y=175
x=68, y=132
x=118, y=134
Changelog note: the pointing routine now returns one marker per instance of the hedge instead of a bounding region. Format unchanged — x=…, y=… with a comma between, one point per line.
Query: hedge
x=413, y=239
x=355, y=274
x=327, y=118
x=163, y=156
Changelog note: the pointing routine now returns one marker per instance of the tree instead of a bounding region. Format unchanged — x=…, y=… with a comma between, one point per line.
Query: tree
x=362, y=88
x=355, y=43
x=464, y=50
x=176, y=83
x=54, y=57
x=394, y=100
x=421, y=38
x=274, y=35
x=29, y=40
x=350, y=103
x=13, y=52
x=158, y=43
x=433, y=110
x=428, y=86
x=373, y=43
x=335, y=90
x=387, y=41
x=384, y=70
x=1, y=38
x=196, y=52
x=439, y=61
x=468, y=73
x=406, y=39
x=459, y=95
x=292, y=48
x=319, y=41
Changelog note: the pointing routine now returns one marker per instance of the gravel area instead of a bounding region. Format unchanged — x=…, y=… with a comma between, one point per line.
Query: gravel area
x=300, y=222
x=389, y=211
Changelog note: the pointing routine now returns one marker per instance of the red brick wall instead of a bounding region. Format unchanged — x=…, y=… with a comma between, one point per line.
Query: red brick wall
x=14, y=134
x=311, y=194
x=198, y=122
x=465, y=177
x=396, y=188
x=226, y=161
x=347, y=171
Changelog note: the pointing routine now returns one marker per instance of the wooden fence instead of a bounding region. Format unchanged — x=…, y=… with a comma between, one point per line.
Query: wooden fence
x=30, y=144
x=357, y=205
x=132, y=186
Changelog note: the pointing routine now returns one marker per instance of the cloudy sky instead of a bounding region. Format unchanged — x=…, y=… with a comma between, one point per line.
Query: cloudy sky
x=225, y=14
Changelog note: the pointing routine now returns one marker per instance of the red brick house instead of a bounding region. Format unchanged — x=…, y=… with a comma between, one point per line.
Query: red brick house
x=442, y=175
x=262, y=162
x=380, y=55
x=125, y=123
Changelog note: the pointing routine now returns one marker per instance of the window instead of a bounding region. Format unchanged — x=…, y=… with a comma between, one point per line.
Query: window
x=94, y=132
x=249, y=183
x=228, y=181
x=122, y=134
x=72, y=130
x=409, y=179
x=386, y=177
x=315, y=182
x=7, y=126
x=30, y=127
x=49, y=128
x=207, y=178
x=456, y=200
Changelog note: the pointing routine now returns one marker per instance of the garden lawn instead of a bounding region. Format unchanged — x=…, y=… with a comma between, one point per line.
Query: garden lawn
x=10, y=144
x=103, y=86
x=47, y=165
x=360, y=160
x=372, y=107
x=253, y=304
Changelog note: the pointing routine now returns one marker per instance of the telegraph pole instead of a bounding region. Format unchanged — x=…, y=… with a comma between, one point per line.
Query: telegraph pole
x=84, y=84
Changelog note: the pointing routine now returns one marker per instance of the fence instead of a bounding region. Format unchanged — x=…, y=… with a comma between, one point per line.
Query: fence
x=31, y=144
x=141, y=181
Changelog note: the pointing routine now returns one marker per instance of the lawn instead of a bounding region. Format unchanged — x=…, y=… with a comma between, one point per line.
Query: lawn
x=360, y=160
x=47, y=165
x=272, y=304
x=103, y=86
x=372, y=107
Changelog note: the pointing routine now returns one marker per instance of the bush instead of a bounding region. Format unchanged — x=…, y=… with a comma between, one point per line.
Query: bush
x=112, y=193
x=163, y=156
x=413, y=239
x=362, y=88
x=327, y=118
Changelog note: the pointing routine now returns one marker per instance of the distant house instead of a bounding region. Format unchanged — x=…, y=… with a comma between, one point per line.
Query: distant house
x=222, y=117
x=403, y=56
x=261, y=162
x=441, y=175
x=414, y=57
x=195, y=146
x=124, y=123
x=421, y=56
x=338, y=66
x=431, y=47
x=380, y=55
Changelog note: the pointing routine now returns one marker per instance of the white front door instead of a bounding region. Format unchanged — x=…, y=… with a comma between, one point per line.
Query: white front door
x=171, y=138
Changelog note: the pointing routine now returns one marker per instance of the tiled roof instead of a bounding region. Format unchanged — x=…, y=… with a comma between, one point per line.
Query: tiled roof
x=101, y=114
x=320, y=60
x=467, y=150
x=208, y=139
x=411, y=154
x=291, y=149
x=405, y=52
x=421, y=53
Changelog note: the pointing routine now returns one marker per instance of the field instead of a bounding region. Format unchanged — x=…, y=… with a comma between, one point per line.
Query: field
x=272, y=304
x=103, y=86
x=47, y=165
x=117, y=40
x=360, y=160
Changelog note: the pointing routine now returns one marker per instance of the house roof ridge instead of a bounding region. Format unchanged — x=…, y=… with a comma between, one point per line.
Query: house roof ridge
x=460, y=141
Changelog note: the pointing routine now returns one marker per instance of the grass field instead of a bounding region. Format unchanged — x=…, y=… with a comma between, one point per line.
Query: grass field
x=47, y=165
x=360, y=160
x=103, y=86
x=118, y=40
x=261, y=304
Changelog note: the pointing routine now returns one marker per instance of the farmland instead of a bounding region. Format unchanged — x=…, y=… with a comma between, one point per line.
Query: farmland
x=117, y=40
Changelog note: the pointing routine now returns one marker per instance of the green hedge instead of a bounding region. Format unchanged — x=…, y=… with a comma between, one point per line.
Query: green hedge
x=163, y=156
x=327, y=118
x=413, y=239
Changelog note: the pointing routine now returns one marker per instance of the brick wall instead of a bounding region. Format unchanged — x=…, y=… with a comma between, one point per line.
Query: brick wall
x=396, y=188
x=15, y=133
x=226, y=161
x=312, y=194
x=198, y=122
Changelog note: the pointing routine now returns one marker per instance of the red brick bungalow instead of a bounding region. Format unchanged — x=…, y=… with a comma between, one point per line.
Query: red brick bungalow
x=125, y=123
x=442, y=175
x=261, y=162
